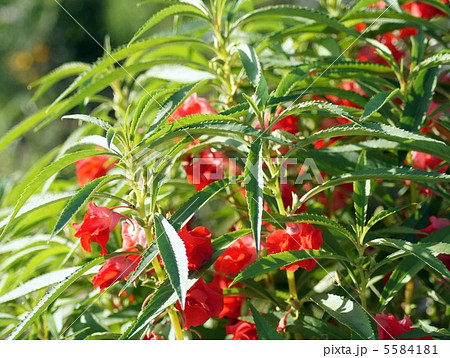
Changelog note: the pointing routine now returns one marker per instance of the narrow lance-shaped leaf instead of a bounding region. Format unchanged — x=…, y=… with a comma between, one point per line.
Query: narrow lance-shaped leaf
x=146, y=259
x=198, y=200
x=384, y=214
x=81, y=197
x=46, y=173
x=50, y=297
x=90, y=119
x=377, y=102
x=254, y=185
x=347, y=312
x=254, y=72
x=263, y=328
x=171, y=104
x=419, y=99
x=173, y=254
x=378, y=173
x=361, y=192
x=402, y=274
x=419, y=251
x=178, y=9
x=275, y=261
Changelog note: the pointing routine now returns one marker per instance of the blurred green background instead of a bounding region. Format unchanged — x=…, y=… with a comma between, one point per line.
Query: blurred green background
x=36, y=36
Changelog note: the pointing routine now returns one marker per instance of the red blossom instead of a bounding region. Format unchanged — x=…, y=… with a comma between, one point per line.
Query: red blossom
x=98, y=222
x=198, y=245
x=297, y=236
x=207, y=169
x=391, y=327
x=115, y=269
x=153, y=337
x=237, y=257
x=436, y=224
x=91, y=168
x=133, y=235
x=231, y=304
x=288, y=123
x=423, y=10
x=193, y=105
x=425, y=161
x=203, y=301
x=368, y=52
x=243, y=331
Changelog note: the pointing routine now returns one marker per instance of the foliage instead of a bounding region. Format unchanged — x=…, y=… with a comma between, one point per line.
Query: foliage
x=327, y=128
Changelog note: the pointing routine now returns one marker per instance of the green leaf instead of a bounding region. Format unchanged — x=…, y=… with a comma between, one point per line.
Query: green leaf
x=123, y=52
x=46, y=173
x=110, y=137
x=85, y=118
x=402, y=274
x=417, y=141
x=419, y=99
x=254, y=72
x=171, y=104
x=146, y=259
x=198, y=200
x=377, y=173
x=275, y=261
x=384, y=214
x=376, y=102
x=50, y=297
x=347, y=312
x=310, y=106
x=209, y=124
x=63, y=71
x=361, y=193
x=80, y=198
x=263, y=328
x=37, y=202
x=292, y=12
x=254, y=185
x=419, y=251
x=40, y=282
x=441, y=58
x=287, y=82
x=179, y=9
x=173, y=254
x=308, y=218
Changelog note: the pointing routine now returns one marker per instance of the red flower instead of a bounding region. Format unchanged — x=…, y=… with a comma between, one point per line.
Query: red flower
x=423, y=10
x=391, y=327
x=96, y=226
x=368, y=53
x=198, y=246
x=206, y=169
x=436, y=224
x=340, y=196
x=91, y=168
x=203, y=301
x=237, y=257
x=243, y=331
x=133, y=235
x=153, y=337
x=288, y=123
x=231, y=304
x=445, y=258
x=115, y=269
x=193, y=105
x=295, y=237
x=425, y=161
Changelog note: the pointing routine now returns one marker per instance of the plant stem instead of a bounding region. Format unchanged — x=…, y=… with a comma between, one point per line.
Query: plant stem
x=156, y=265
x=409, y=288
x=292, y=287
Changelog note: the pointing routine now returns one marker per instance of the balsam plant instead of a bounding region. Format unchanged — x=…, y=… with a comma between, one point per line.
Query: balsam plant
x=243, y=171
